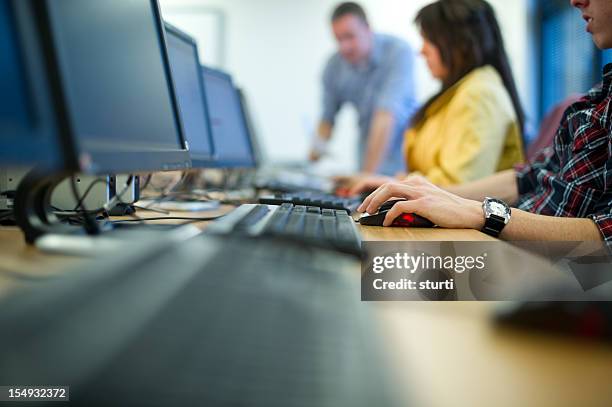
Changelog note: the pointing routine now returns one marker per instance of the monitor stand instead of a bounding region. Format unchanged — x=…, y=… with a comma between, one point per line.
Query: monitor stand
x=32, y=205
x=122, y=209
x=34, y=215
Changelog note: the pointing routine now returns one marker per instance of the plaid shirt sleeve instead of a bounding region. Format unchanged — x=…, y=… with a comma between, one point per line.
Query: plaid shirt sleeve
x=573, y=178
x=603, y=218
x=604, y=223
x=526, y=174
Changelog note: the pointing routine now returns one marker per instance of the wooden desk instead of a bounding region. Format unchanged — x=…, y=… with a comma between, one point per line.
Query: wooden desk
x=442, y=354
x=21, y=264
x=449, y=354
x=371, y=233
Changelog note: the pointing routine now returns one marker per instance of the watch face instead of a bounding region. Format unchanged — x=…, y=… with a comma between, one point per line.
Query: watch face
x=498, y=209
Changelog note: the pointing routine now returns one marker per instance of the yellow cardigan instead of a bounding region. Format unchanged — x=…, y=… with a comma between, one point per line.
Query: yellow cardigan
x=469, y=132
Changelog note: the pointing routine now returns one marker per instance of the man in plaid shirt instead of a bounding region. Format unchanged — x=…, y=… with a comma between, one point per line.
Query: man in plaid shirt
x=564, y=194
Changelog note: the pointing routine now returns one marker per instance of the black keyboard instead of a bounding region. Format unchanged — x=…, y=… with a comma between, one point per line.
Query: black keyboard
x=331, y=228
x=212, y=321
x=292, y=182
x=320, y=200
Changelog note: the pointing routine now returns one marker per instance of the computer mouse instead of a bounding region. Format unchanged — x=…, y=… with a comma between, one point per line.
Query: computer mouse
x=405, y=220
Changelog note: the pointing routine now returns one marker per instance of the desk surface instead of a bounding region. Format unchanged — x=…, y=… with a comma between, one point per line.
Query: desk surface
x=444, y=354
x=370, y=233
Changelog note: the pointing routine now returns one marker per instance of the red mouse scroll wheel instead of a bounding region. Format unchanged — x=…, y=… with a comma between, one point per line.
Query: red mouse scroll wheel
x=408, y=217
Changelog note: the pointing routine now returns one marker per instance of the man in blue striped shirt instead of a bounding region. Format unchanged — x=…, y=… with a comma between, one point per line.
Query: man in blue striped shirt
x=374, y=73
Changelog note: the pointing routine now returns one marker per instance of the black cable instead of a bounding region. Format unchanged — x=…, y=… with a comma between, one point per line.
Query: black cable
x=88, y=218
x=81, y=199
x=116, y=199
x=181, y=181
x=88, y=191
x=83, y=216
x=89, y=224
x=147, y=181
x=144, y=208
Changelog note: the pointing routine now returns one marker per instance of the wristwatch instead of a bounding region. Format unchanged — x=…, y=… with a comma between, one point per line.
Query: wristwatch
x=497, y=214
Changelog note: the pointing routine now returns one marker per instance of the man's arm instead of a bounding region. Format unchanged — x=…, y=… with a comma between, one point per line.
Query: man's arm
x=325, y=130
x=502, y=186
x=331, y=105
x=324, y=134
x=451, y=211
x=528, y=226
x=383, y=124
x=397, y=88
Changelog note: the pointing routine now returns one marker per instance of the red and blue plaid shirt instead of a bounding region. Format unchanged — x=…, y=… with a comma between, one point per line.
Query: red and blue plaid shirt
x=573, y=178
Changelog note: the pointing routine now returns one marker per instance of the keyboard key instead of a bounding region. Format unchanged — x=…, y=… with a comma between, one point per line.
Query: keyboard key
x=329, y=212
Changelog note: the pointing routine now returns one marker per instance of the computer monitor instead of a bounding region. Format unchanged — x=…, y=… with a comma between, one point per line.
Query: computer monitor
x=117, y=85
x=233, y=148
x=189, y=89
x=29, y=133
x=250, y=126
x=114, y=98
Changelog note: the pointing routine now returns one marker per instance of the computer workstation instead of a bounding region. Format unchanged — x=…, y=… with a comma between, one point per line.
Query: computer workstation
x=144, y=286
x=214, y=126
x=157, y=116
x=268, y=313
x=220, y=121
x=192, y=103
x=123, y=121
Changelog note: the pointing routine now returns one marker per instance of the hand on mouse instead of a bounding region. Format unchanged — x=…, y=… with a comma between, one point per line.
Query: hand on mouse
x=425, y=199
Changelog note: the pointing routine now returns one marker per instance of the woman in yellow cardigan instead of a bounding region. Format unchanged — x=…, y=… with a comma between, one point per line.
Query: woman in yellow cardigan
x=473, y=127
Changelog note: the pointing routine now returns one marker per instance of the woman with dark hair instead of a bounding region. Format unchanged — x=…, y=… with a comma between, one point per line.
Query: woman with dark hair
x=473, y=127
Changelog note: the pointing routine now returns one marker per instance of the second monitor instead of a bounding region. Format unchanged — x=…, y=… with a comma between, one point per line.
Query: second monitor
x=233, y=147
x=189, y=87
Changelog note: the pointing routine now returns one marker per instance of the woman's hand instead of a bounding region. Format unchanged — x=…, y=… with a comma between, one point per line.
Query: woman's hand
x=427, y=200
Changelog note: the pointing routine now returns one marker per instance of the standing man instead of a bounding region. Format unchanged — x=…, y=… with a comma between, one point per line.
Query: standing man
x=375, y=73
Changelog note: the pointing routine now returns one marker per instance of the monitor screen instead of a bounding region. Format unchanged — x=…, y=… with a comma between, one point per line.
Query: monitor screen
x=233, y=147
x=251, y=131
x=28, y=126
x=189, y=88
x=117, y=85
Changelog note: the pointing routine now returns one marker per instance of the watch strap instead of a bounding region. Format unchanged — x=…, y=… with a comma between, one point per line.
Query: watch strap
x=494, y=225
